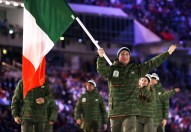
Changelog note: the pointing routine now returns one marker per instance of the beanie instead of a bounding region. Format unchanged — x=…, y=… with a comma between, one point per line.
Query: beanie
x=121, y=49
x=155, y=76
x=92, y=82
x=148, y=76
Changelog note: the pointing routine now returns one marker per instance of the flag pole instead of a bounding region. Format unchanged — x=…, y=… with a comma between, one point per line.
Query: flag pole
x=92, y=39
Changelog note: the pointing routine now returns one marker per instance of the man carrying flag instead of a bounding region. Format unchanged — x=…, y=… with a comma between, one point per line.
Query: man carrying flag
x=31, y=111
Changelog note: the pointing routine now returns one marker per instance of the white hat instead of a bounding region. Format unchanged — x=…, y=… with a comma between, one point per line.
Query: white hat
x=148, y=76
x=92, y=82
x=155, y=76
x=121, y=49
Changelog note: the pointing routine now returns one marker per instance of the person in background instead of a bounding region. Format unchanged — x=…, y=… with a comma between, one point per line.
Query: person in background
x=90, y=110
x=30, y=111
x=123, y=79
x=146, y=97
x=161, y=105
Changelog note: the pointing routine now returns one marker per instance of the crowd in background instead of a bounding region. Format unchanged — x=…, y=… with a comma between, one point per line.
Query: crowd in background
x=169, y=19
x=67, y=85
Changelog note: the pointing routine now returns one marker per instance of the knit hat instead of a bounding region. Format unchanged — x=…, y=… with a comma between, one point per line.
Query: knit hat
x=155, y=76
x=92, y=82
x=121, y=49
x=148, y=76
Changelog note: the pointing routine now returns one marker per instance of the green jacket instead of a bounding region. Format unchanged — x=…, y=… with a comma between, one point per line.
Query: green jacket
x=52, y=112
x=27, y=108
x=123, y=83
x=161, y=103
x=91, y=107
x=146, y=98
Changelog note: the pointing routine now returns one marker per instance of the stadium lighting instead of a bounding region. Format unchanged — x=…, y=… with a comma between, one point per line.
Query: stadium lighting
x=4, y=51
x=15, y=4
x=22, y=5
x=7, y=2
x=61, y=38
x=11, y=3
x=10, y=31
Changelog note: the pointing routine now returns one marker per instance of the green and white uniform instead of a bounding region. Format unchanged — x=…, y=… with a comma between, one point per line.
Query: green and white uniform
x=123, y=90
x=31, y=113
x=90, y=108
x=145, y=119
x=161, y=106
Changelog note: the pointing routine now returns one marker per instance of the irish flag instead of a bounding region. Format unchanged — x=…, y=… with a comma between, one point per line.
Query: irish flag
x=44, y=22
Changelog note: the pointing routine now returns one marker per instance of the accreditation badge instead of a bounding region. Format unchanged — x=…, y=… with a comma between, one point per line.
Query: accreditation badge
x=115, y=73
x=83, y=99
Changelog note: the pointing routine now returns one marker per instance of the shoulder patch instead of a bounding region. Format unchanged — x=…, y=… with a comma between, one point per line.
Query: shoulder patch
x=83, y=99
x=115, y=73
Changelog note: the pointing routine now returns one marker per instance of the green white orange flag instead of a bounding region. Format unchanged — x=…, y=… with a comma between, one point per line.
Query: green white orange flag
x=44, y=22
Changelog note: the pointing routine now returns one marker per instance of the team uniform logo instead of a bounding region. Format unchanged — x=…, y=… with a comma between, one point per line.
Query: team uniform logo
x=84, y=100
x=115, y=73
